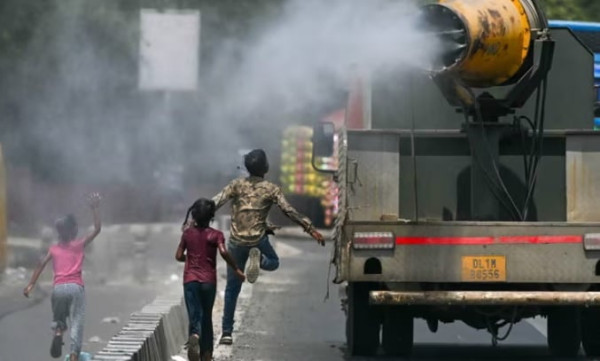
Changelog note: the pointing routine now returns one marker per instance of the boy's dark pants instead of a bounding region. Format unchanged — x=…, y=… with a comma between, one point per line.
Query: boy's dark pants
x=269, y=261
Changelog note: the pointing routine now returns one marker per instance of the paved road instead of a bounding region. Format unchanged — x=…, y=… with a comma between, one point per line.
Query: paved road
x=288, y=320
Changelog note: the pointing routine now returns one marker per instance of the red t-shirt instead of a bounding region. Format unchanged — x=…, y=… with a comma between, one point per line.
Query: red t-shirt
x=201, y=246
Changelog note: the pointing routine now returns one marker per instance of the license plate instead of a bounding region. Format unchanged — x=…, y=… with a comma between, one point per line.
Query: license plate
x=484, y=268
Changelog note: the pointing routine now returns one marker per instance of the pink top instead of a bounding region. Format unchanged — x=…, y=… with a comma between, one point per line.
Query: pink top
x=67, y=261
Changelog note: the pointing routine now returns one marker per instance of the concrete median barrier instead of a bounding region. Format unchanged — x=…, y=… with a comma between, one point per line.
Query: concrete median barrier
x=152, y=334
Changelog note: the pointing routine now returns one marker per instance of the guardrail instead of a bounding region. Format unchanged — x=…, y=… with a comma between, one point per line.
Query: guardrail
x=153, y=334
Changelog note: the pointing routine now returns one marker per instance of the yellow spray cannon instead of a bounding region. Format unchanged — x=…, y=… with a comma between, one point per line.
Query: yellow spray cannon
x=486, y=43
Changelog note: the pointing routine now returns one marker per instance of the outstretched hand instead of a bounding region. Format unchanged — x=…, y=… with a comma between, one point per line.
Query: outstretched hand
x=94, y=200
x=318, y=237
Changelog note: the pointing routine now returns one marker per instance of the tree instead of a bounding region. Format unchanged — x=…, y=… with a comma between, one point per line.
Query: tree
x=586, y=10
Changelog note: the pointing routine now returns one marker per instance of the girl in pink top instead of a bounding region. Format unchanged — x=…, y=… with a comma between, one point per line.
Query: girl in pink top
x=68, y=295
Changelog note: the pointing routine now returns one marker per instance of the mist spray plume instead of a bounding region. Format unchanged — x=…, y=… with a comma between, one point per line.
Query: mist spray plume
x=84, y=119
x=311, y=45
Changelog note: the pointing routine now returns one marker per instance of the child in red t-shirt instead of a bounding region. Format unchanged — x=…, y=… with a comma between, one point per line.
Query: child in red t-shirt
x=198, y=249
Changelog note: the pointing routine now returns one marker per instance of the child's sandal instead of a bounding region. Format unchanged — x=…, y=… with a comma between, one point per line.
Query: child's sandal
x=57, y=344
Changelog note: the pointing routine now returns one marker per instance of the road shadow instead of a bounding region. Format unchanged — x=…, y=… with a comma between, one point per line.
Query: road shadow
x=430, y=352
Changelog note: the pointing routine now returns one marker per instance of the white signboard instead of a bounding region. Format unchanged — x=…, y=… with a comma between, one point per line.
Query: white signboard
x=169, y=49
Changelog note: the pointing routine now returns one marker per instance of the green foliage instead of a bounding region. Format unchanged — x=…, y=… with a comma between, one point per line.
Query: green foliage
x=586, y=10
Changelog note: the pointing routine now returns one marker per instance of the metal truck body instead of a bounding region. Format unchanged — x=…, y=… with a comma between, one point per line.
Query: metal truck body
x=438, y=219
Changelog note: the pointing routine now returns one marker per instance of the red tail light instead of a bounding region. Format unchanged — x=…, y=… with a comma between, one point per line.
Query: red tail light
x=591, y=242
x=374, y=240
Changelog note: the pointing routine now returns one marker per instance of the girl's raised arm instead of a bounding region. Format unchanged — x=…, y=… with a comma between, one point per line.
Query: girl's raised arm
x=94, y=203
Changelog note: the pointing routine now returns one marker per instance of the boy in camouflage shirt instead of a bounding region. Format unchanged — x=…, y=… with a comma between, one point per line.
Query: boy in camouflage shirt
x=252, y=198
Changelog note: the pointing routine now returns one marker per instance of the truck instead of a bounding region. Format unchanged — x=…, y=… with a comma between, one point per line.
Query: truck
x=469, y=189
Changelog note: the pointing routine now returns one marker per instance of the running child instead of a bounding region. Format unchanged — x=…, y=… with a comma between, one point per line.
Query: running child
x=68, y=295
x=198, y=249
x=251, y=200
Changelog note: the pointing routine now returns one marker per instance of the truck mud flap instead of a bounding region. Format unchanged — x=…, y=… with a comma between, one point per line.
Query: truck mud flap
x=484, y=298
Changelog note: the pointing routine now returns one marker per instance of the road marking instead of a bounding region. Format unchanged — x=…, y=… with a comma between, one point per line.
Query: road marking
x=285, y=250
x=265, y=280
x=224, y=351
x=540, y=324
x=277, y=290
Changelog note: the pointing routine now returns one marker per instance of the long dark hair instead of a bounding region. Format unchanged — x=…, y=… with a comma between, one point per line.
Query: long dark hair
x=202, y=212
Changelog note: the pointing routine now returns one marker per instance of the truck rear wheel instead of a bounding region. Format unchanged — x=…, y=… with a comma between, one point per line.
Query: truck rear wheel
x=564, y=331
x=362, y=321
x=590, y=331
x=398, y=332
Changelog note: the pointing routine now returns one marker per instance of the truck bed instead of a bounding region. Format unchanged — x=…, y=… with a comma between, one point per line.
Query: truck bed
x=477, y=252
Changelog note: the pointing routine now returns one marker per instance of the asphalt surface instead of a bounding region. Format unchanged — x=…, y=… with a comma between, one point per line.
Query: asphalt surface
x=287, y=319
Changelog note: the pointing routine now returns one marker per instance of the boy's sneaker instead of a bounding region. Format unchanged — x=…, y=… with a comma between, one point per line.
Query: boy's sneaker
x=193, y=349
x=226, y=339
x=253, y=265
x=57, y=344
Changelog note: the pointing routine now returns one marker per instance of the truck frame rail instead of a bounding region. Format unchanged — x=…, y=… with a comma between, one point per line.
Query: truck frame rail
x=484, y=298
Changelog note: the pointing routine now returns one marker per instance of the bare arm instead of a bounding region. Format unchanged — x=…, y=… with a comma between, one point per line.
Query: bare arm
x=230, y=261
x=180, y=253
x=36, y=274
x=94, y=203
x=298, y=218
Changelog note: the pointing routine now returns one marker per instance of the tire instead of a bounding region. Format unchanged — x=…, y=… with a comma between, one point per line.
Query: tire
x=362, y=321
x=564, y=331
x=590, y=331
x=398, y=332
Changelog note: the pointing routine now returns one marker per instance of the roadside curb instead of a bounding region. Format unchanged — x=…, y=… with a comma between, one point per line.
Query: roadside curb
x=153, y=334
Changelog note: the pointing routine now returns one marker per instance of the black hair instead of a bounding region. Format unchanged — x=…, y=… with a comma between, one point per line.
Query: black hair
x=256, y=162
x=202, y=211
x=66, y=228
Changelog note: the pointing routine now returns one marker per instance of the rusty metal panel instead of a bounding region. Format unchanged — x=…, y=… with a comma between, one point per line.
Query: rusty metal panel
x=525, y=263
x=339, y=249
x=483, y=298
x=373, y=173
x=583, y=178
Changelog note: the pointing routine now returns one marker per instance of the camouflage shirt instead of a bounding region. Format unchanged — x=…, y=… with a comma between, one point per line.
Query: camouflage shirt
x=252, y=198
